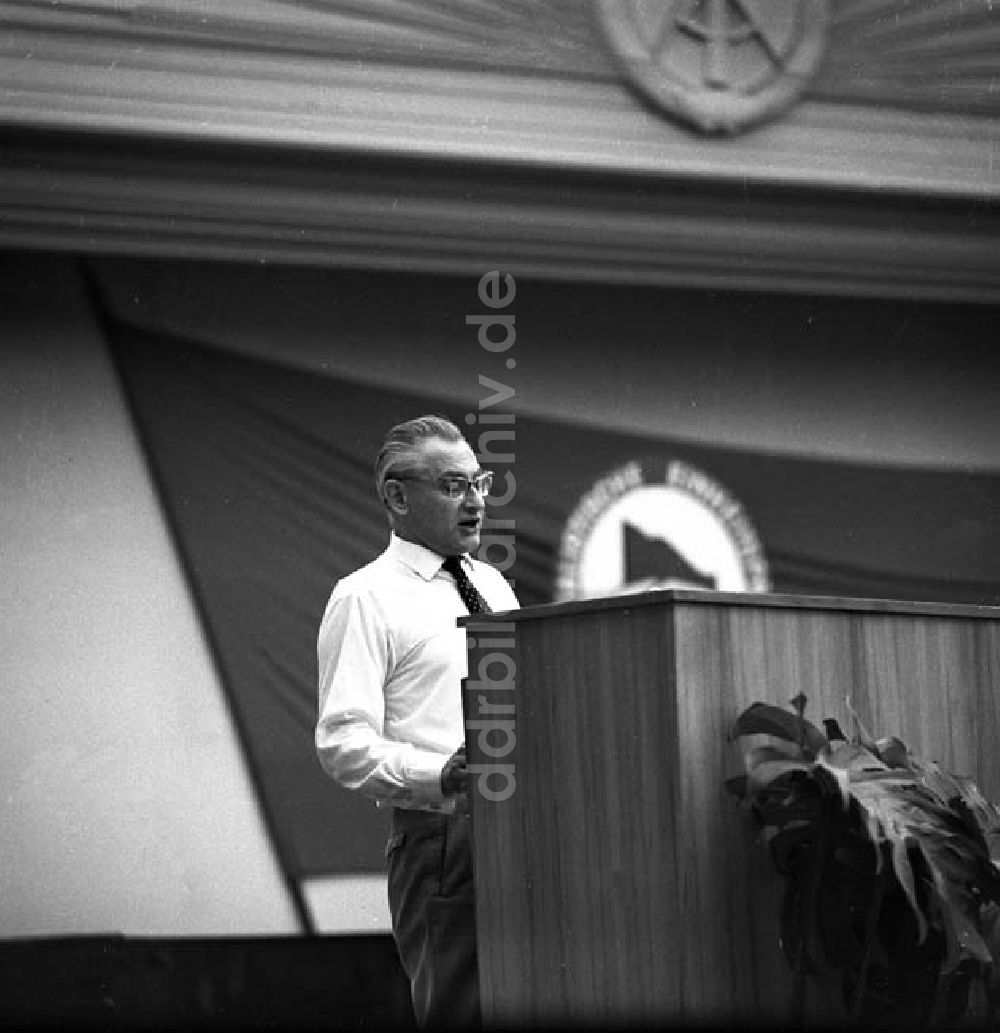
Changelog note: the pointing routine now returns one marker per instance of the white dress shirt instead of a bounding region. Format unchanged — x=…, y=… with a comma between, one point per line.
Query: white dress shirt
x=391, y=661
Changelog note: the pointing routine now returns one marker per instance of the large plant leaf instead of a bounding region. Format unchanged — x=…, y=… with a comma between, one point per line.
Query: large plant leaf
x=767, y=719
x=851, y=757
x=959, y=909
x=845, y=761
x=991, y=933
x=937, y=830
x=861, y=734
x=893, y=751
x=905, y=813
x=773, y=774
x=965, y=798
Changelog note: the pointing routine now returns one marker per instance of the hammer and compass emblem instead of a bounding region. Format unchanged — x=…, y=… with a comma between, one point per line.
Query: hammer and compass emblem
x=720, y=65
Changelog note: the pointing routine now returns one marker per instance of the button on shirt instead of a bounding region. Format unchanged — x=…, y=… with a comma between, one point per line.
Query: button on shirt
x=391, y=661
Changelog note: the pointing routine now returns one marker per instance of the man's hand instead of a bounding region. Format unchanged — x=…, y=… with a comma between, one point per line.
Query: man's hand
x=454, y=777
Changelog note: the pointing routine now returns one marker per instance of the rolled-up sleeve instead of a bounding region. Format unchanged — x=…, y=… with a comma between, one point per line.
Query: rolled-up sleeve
x=355, y=659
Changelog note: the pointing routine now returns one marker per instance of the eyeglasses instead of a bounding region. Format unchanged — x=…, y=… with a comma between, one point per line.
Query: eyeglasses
x=454, y=485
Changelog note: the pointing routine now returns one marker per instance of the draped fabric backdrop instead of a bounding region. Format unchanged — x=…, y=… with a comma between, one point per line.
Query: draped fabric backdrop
x=265, y=472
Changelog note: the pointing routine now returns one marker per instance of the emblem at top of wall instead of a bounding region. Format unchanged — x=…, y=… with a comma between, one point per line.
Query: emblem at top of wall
x=719, y=65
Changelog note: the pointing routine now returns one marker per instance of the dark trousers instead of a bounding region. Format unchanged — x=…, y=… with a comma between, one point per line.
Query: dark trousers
x=429, y=860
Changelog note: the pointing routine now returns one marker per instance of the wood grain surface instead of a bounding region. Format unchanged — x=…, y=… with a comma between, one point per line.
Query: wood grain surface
x=620, y=883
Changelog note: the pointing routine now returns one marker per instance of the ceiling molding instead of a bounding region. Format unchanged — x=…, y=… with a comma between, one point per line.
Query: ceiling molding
x=500, y=81
x=446, y=136
x=108, y=196
x=935, y=55
x=460, y=115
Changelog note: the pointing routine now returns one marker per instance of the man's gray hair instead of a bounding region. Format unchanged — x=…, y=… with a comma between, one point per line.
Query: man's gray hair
x=398, y=451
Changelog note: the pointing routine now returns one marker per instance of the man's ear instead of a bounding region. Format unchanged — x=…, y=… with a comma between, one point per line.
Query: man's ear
x=395, y=498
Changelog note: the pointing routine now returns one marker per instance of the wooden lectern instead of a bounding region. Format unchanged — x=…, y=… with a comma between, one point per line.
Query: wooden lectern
x=617, y=882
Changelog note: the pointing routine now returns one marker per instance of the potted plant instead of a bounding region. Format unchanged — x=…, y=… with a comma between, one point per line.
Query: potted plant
x=892, y=867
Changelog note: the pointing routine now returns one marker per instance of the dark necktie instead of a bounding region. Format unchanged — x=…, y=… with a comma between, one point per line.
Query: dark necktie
x=466, y=589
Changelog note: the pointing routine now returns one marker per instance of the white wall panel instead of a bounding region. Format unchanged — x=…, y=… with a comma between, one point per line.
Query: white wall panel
x=126, y=804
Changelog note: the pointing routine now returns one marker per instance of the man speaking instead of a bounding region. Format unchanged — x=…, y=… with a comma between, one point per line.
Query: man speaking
x=391, y=661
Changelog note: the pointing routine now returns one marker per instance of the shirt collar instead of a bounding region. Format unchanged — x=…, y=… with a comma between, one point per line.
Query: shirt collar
x=423, y=561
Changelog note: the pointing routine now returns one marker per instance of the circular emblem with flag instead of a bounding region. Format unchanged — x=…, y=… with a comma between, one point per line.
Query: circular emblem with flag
x=718, y=64
x=657, y=525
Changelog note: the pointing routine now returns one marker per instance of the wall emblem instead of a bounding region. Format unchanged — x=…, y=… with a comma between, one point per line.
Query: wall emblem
x=719, y=64
x=646, y=526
